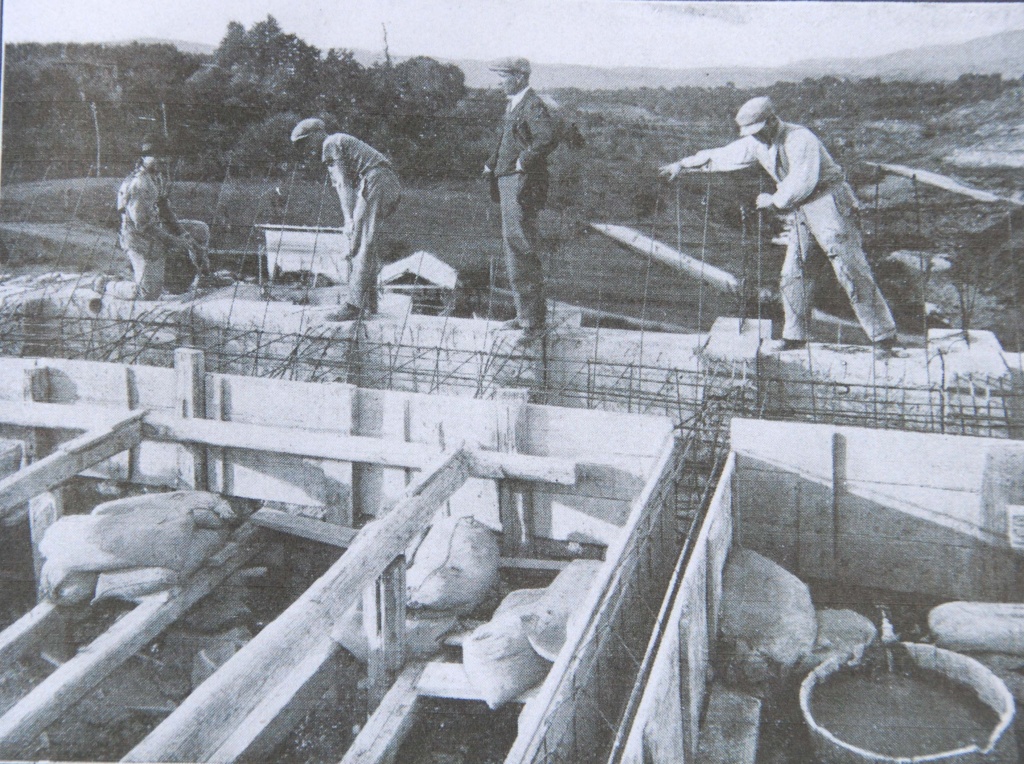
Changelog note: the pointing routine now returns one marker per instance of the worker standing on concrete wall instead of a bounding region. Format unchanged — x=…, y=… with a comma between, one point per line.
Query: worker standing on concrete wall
x=518, y=172
x=813, y=189
x=368, y=190
x=150, y=232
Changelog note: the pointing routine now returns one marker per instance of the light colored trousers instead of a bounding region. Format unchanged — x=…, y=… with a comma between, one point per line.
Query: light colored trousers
x=378, y=195
x=522, y=263
x=149, y=263
x=827, y=225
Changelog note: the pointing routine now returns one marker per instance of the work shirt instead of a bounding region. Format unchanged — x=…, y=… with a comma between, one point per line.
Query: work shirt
x=137, y=203
x=797, y=160
x=350, y=156
x=513, y=100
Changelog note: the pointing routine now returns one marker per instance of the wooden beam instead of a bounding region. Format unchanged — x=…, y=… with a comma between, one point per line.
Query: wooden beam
x=316, y=444
x=946, y=183
x=648, y=247
x=47, y=702
x=190, y=395
x=68, y=460
x=281, y=709
x=28, y=631
x=43, y=511
x=209, y=715
x=384, y=624
x=515, y=505
x=306, y=527
x=380, y=739
x=294, y=441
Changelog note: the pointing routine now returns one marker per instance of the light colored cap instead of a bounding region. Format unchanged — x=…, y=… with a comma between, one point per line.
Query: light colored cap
x=753, y=114
x=307, y=127
x=511, y=65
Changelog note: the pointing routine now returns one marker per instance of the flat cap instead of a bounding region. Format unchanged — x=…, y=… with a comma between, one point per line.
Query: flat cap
x=307, y=127
x=753, y=114
x=512, y=64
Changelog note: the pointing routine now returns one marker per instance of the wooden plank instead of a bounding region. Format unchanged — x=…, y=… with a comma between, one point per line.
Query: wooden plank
x=515, y=504
x=306, y=527
x=281, y=709
x=561, y=686
x=43, y=511
x=384, y=624
x=70, y=459
x=190, y=394
x=380, y=739
x=449, y=680
x=28, y=631
x=210, y=714
x=946, y=183
x=521, y=563
x=354, y=448
x=648, y=247
x=64, y=687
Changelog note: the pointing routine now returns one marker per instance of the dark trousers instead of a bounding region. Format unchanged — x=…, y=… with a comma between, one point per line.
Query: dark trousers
x=522, y=263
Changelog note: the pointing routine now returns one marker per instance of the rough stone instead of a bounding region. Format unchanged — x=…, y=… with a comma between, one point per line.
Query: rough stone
x=842, y=633
x=768, y=623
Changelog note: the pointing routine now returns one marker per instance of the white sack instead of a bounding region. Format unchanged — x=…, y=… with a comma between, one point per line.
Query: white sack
x=455, y=567
x=979, y=627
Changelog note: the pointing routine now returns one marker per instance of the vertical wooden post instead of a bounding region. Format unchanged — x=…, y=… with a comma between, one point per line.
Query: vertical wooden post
x=43, y=510
x=190, y=383
x=384, y=622
x=515, y=500
x=132, y=396
x=838, y=489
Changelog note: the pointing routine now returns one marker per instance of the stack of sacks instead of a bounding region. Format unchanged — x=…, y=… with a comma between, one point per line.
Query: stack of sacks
x=514, y=650
x=454, y=570
x=133, y=547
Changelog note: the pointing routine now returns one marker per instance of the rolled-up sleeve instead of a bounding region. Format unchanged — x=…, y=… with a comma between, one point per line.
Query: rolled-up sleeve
x=804, y=154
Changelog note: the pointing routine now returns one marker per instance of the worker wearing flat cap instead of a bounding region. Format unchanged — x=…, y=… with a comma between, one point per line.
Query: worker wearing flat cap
x=813, y=189
x=153, y=238
x=368, y=190
x=518, y=172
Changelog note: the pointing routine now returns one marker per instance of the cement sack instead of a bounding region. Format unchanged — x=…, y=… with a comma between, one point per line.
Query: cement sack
x=422, y=635
x=175, y=531
x=455, y=567
x=548, y=621
x=979, y=627
x=498, y=659
x=841, y=633
x=134, y=583
x=768, y=623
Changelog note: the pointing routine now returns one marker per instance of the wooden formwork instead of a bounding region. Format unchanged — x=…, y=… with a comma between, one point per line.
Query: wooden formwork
x=914, y=514
x=559, y=483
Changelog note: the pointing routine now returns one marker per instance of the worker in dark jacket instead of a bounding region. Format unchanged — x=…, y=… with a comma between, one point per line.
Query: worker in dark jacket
x=518, y=171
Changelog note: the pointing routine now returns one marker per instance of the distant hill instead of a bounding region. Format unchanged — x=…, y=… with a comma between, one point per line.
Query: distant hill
x=1002, y=53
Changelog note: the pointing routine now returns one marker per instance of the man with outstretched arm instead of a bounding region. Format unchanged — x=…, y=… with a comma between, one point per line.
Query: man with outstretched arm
x=368, y=190
x=813, y=189
x=518, y=172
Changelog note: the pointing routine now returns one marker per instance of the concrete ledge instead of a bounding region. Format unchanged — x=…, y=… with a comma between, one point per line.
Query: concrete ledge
x=731, y=728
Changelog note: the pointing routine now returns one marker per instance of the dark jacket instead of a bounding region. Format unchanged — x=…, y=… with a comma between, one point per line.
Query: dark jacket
x=527, y=135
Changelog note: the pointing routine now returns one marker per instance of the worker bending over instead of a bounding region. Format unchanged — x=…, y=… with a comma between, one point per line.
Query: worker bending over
x=150, y=232
x=368, y=190
x=813, y=189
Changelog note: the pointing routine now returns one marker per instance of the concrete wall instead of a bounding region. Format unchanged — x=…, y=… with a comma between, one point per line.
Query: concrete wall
x=909, y=512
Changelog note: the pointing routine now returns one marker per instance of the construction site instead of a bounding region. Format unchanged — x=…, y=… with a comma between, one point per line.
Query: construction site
x=240, y=526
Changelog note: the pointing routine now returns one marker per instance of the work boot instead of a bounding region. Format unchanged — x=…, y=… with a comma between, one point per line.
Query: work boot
x=888, y=348
x=792, y=345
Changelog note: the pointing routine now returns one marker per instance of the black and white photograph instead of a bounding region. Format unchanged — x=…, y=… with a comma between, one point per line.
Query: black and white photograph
x=512, y=382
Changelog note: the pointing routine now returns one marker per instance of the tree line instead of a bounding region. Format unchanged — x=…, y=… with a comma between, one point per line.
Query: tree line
x=81, y=109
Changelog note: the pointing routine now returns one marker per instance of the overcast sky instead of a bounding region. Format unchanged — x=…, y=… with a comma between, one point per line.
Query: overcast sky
x=597, y=32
